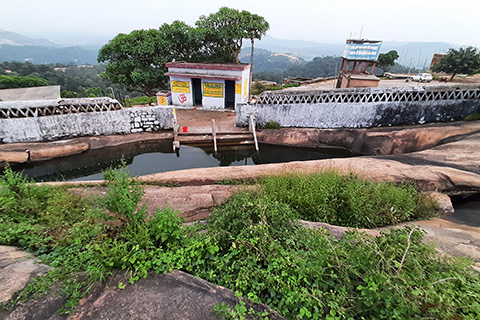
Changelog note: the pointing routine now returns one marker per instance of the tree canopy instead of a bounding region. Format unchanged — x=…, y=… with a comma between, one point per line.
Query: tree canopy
x=9, y=82
x=464, y=60
x=137, y=60
x=228, y=27
x=387, y=60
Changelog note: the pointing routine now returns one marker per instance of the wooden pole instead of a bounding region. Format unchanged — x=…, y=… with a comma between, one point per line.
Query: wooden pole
x=214, y=134
x=252, y=129
x=176, y=144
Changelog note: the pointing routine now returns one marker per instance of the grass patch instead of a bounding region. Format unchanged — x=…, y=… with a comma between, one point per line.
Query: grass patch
x=252, y=244
x=347, y=200
x=473, y=117
x=140, y=101
x=272, y=125
x=236, y=182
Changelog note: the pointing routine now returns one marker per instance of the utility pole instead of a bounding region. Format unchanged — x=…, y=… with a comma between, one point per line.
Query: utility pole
x=251, y=67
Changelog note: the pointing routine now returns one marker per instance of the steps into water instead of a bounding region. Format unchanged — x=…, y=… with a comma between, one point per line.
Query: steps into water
x=223, y=138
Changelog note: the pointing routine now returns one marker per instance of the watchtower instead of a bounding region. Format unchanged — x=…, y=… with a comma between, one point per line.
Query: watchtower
x=358, y=62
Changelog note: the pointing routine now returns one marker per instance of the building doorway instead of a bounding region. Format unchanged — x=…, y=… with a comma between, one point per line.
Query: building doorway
x=197, y=92
x=229, y=94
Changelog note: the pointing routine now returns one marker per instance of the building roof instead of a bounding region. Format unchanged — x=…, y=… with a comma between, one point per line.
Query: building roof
x=210, y=66
x=357, y=76
x=32, y=93
x=203, y=76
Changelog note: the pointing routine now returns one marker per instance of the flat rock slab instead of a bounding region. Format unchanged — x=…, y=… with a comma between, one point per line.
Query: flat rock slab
x=450, y=238
x=40, y=151
x=374, y=141
x=176, y=295
x=193, y=202
x=16, y=268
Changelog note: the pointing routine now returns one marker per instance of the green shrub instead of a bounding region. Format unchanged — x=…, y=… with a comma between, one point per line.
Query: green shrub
x=272, y=125
x=140, y=101
x=253, y=245
x=473, y=117
x=347, y=200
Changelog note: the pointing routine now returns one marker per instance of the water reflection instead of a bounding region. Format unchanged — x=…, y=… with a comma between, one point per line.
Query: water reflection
x=467, y=211
x=157, y=156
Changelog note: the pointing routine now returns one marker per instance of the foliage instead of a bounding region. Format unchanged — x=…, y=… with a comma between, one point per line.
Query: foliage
x=11, y=82
x=265, y=256
x=272, y=125
x=347, y=200
x=133, y=60
x=75, y=81
x=252, y=245
x=259, y=87
x=387, y=60
x=140, y=100
x=464, y=60
x=228, y=27
x=271, y=67
x=473, y=117
x=137, y=60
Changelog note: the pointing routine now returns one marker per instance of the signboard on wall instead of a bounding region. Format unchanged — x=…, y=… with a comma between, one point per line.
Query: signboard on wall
x=213, y=89
x=238, y=88
x=180, y=86
x=362, y=50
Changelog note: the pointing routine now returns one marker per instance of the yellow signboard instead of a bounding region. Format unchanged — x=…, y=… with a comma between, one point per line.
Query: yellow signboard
x=180, y=86
x=246, y=88
x=238, y=88
x=212, y=89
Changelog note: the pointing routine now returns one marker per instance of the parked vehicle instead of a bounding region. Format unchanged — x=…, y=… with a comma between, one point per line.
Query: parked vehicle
x=421, y=77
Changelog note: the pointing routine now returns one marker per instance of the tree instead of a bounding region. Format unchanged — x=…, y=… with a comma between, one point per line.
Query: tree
x=137, y=60
x=133, y=60
x=227, y=28
x=387, y=60
x=9, y=82
x=464, y=60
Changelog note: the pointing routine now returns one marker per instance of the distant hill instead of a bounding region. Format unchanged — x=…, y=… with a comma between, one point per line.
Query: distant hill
x=17, y=39
x=411, y=53
x=268, y=61
x=40, y=54
x=17, y=47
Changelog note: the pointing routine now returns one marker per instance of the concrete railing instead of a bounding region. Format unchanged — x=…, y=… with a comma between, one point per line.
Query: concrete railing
x=42, y=108
x=363, y=107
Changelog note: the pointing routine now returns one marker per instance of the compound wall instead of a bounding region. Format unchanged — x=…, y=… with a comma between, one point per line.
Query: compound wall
x=58, y=119
x=362, y=108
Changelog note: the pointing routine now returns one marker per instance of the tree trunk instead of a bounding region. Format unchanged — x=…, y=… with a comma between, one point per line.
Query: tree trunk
x=453, y=76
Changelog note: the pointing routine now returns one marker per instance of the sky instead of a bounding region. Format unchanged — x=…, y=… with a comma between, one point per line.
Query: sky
x=330, y=21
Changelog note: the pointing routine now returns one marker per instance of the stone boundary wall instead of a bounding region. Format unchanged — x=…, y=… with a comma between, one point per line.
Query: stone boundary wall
x=35, y=122
x=362, y=107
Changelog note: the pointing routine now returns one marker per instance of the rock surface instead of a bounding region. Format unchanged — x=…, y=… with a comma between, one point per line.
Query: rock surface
x=176, y=295
x=375, y=141
x=16, y=268
x=16, y=152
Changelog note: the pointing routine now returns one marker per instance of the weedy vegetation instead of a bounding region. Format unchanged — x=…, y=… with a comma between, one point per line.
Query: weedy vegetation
x=253, y=244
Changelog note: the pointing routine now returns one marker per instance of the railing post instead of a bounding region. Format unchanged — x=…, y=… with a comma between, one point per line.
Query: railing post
x=252, y=130
x=214, y=134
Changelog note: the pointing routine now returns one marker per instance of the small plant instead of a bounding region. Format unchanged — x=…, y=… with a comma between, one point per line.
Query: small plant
x=473, y=117
x=272, y=125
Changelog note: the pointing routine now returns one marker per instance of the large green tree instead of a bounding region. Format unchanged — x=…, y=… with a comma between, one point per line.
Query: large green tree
x=387, y=60
x=134, y=60
x=137, y=60
x=464, y=60
x=228, y=27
